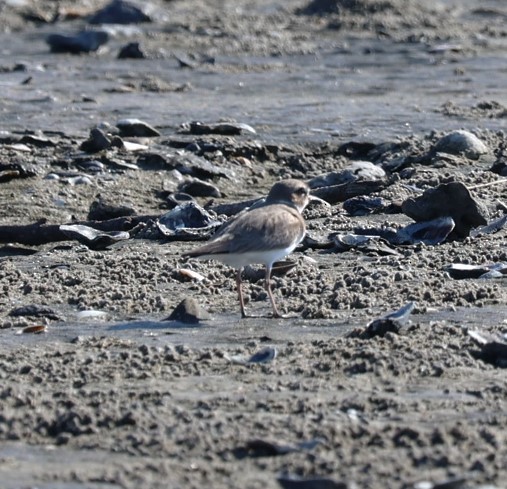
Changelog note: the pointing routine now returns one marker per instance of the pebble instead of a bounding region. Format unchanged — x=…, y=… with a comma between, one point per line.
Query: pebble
x=461, y=143
x=188, y=311
x=131, y=50
x=97, y=141
x=136, y=128
x=103, y=209
x=199, y=188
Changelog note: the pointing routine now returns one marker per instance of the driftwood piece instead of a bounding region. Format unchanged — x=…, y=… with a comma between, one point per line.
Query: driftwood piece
x=331, y=194
x=40, y=233
x=232, y=208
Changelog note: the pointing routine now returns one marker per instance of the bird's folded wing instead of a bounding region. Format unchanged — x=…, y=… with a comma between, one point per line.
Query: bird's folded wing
x=265, y=228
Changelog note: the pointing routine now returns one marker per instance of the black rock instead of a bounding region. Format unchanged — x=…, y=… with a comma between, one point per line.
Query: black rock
x=102, y=210
x=33, y=310
x=136, y=128
x=188, y=311
x=83, y=42
x=97, y=141
x=119, y=12
x=131, y=51
x=198, y=188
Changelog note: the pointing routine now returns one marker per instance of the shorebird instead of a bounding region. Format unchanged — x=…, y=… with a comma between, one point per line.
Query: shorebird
x=262, y=234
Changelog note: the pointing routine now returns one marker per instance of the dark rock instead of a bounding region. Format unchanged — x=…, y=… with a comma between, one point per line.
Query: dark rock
x=355, y=150
x=363, y=205
x=136, y=128
x=131, y=51
x=448, y=200
x=119, y=12
x=198, y=188
x=223, y=128
x=391, y=323
x=186, y=163
x=296, y=482
x=188, y=311
x=97, y=141
x=83, y=42
x=11, y=171
x=33, y=310
x=493, y=347
x=102, y=210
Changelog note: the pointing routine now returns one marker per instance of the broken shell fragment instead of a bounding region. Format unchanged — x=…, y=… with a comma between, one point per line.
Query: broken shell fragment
x=35, y=329
x=93, y=238
x=460, y=271
x=189, y=215
x=431, y=232
x=187, y=274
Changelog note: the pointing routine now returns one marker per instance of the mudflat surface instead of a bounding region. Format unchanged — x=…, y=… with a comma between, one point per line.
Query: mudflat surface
x=113, y=396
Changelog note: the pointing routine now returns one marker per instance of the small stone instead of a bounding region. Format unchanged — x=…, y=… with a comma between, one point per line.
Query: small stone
x=102, y=209
x=188, y=311
x=131, y=51
x=198, y=188
x=136, y=128
x=461, y=143
x=97, y=141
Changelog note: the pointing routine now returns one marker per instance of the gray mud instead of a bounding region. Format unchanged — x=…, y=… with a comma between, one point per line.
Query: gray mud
x=124, y=399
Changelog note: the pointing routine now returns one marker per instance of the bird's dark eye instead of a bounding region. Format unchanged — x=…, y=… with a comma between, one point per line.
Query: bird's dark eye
x=302, y=191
